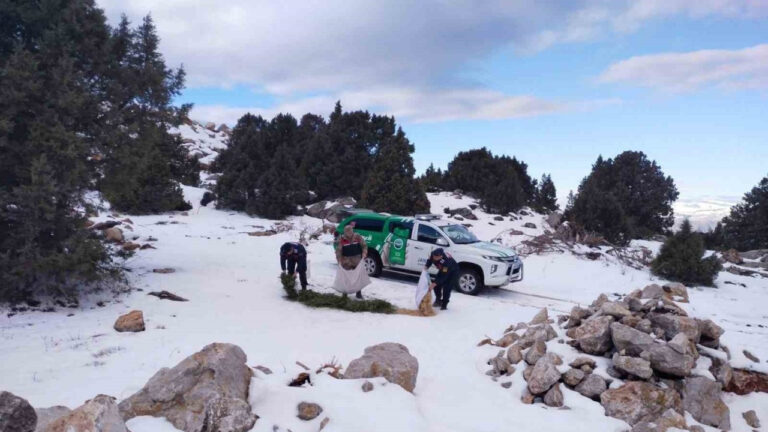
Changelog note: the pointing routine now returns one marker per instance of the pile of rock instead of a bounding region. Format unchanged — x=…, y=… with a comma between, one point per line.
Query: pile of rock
x=332, y=211
x=460, y=213
x=653, y=347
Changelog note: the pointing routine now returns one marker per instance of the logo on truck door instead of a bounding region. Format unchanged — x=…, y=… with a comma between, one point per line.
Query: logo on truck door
x=398, y=243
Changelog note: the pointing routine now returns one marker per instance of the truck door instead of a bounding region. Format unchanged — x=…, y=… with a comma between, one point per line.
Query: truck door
x=423, y=242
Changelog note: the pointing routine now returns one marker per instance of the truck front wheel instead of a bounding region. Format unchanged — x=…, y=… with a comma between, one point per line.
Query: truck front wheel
x=469, y=282
x=372, y=264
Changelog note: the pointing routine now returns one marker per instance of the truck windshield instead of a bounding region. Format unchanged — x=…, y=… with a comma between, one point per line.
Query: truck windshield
x=459, y=234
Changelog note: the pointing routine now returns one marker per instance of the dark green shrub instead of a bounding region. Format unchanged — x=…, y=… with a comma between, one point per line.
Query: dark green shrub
x=680, y=259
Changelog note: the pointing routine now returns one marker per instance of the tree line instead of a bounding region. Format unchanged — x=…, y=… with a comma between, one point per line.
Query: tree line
x=83, y=106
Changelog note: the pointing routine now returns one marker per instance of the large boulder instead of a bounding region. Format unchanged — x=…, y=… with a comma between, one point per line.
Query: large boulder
x=639, y=401
x=701, y=398
x=114, y=235
x=732, y=256
x=635, y=366
x=592, y=386
x=16, y=414
x=670, y=419
x=389, y=360
x=710, y=333
x=133, y=321
x=593, y=336
x=99, y=414
x=207, y=391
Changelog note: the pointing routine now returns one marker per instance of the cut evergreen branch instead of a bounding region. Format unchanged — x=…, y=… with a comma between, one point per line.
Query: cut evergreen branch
x=326, y=300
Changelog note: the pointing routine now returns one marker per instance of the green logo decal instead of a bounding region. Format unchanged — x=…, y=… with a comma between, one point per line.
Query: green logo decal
x=398, y=243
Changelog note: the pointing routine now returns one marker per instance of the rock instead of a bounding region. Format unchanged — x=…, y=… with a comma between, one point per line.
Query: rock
x=501, y=365
x=631, y=321
x=615, y=310
x=527, y=373
x=593, y=255
x=263, y=369
x=554, y=397
x=587, y=369
x=16, y=414
x=732, y=256
x=165, y=270
x=670, y=419
x=573, y=377
x=114, y=235
x=514, y=354
x=389, y=360
x=527, y=398
x=529, y=225
x=639, y=401
x=696, y=428
x=644, y=326
x=131, y=246
x=507, y=340
x=533, y=334
x=506, y=385
x=207, y=391
x=746, y=381
x=673, y=324
x=308, y=411
x=554, y=219
x=367, y=386
x=555, y=358
x=578, y=362
x=591, y=386
x=543, y=376
x=463, y=212
x=540, y=318
x=751, y=418
x=498, y=218
x=751, y=356
x=594, y=335
x=632, y=365
x=99, y=414
x=46, y=416
x=133, y=321
x=663, y=357
x=701, y=398
x=652, y=291
x=101, y=226
x=722, y=371
x=676, y=289
x=634, y=304
x=710, y=333
x=535, y=352
x=602, y=298
x=211, y=126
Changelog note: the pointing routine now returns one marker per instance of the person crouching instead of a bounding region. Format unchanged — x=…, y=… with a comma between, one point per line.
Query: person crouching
x=293, y=259
x=446, y=279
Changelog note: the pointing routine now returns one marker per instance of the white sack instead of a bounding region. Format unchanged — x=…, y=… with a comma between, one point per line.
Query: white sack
x=351, y=281
x=422, y=288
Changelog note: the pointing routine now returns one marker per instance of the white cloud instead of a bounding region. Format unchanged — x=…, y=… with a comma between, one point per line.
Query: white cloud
x=290, y=48
x=731, y=69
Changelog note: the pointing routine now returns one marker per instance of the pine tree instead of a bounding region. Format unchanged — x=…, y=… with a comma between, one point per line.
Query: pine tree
x=49, y=64
x=746, y=227
x=278, y=189
x=391, y=186
x=602, y=213
x=143, y=163
x=432, y=179
x=546, y=195
x=681, y=259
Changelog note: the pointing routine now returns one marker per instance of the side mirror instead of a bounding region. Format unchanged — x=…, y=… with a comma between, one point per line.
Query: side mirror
x=441, y=242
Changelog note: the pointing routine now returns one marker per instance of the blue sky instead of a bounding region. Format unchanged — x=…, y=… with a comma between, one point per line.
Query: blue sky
x=555, y=83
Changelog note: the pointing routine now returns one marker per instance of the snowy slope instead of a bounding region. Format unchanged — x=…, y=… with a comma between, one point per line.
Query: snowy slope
x=231, y=281
x=204, y=141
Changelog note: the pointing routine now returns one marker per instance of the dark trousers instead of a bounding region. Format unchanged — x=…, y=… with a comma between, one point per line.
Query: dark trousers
x=443, y=291
x=300, y=268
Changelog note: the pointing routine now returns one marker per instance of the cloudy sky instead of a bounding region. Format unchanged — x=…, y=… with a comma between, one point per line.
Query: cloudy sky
x=554, y=82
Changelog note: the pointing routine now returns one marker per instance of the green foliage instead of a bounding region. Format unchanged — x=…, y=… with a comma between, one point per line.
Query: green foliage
x=433, y=180
x=325, y=300
x=391, y=186
x=680, y=259
x=143, y=163
x=501, y=183
x=49, y=60
x=746, y=227
x=629, y=187
x=545, y=199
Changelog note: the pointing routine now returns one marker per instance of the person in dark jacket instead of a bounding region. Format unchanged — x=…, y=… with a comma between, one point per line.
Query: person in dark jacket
x=446, y=279
x=293, y=259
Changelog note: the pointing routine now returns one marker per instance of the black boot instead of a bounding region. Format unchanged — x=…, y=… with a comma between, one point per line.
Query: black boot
x=436, y=303
x=359, y=295
x=444, y=307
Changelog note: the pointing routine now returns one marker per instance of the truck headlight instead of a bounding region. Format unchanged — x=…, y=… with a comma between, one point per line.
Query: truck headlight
x=493, y=258
x=494, y=267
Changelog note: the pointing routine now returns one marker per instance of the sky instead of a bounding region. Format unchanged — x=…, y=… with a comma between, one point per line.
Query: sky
x=553, y=82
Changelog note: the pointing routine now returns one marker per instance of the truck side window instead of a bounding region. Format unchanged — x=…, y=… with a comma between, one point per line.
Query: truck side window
x=368, y=224
x=428, y=234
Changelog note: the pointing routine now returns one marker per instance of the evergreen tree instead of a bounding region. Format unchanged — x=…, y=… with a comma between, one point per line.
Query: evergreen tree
x=50, y=58
x=143, y=163
x=746, y=227
x=432, y=179
x=391, y=186
x=278, y=189
x=681, y=259
x=241, y=163
x=637, y=186
x=546, y=195
x=714, y=239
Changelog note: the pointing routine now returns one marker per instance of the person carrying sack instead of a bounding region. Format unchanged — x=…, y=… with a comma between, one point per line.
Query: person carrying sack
x=351, y=251
x=446, y=279
x=293, y=259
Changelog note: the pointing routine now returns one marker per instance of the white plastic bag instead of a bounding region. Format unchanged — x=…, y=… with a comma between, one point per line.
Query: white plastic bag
x=351, y=281
x=422, y=288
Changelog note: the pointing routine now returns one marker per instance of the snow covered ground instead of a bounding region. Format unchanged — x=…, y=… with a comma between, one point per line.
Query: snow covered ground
x=230, y=279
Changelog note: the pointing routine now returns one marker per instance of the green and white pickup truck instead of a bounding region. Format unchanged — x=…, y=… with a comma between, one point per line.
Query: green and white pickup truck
x=403, y=244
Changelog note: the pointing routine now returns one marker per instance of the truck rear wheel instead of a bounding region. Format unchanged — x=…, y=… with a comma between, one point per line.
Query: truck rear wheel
x=469, y=282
